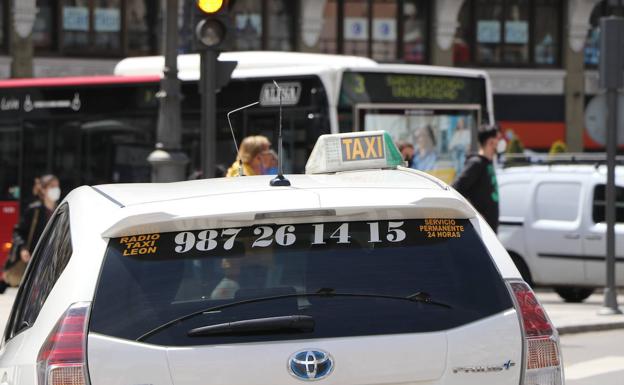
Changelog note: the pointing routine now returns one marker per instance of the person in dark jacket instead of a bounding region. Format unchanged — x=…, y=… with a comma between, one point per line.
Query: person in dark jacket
x=30, y=227
x=477, y=181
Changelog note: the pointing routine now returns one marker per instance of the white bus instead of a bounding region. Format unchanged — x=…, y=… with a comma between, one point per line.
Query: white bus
x=100, y=129
x=437, y=109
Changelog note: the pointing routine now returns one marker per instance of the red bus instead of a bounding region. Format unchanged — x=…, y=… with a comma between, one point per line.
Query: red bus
x=101, y=129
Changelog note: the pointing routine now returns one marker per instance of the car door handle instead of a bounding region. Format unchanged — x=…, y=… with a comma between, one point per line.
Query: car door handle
x=593, y=237
x=572, y=236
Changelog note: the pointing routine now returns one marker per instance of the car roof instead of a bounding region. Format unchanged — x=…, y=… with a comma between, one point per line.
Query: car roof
x=139, y=193
x=149, y=207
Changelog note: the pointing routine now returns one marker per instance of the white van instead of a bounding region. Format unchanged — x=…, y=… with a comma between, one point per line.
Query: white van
x=552, y=222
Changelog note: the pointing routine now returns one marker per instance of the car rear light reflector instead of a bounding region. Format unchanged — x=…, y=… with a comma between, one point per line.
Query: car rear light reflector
x=542, y=353
x=62, y=357
x=542, y=362
x=67, y=375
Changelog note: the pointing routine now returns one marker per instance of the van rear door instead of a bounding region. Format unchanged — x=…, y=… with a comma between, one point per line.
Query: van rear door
x=553, y=234
x=595, y=234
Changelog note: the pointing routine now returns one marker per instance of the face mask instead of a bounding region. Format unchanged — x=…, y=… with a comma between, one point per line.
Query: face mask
x=53, y=194
x=270, y=171
x=501, y=146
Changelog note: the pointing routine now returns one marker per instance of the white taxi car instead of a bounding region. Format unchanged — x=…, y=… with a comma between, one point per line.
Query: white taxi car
x=359, y=272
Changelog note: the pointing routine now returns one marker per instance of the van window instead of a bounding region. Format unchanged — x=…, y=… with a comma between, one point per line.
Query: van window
x=600, y=201
x=152, y=279
x=513, y=199
x=558, y=201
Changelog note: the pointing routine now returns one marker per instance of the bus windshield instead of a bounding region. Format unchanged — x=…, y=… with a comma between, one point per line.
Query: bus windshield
x=437, y=115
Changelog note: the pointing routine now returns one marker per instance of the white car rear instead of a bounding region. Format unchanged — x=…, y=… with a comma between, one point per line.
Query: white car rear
x=376, y=276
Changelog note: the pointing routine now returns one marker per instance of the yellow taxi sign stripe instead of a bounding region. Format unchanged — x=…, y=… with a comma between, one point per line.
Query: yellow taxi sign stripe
x=362, y=148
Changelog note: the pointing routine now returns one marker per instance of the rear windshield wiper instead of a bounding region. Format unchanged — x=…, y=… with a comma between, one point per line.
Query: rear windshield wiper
x=289, y=323
x=419, y=296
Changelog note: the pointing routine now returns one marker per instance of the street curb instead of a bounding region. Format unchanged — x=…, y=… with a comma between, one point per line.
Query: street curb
x=572, y=329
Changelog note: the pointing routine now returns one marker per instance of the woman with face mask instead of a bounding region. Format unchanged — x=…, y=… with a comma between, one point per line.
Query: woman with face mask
x=32, y=222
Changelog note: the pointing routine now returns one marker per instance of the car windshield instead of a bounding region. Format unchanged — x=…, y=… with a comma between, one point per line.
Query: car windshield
x=151, y=279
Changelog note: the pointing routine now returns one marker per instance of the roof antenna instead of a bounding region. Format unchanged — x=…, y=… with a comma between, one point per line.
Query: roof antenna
x=279, y=180
x=240, y=162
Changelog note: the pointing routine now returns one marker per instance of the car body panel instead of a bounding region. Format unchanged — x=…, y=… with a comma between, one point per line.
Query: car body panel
x=424, y=358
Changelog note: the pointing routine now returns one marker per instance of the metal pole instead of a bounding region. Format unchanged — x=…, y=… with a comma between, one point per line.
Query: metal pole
x=610, y=305
x=208, y=131
x=168, y=161
x=611, y=66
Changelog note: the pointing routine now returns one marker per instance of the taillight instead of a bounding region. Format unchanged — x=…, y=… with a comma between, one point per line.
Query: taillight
x=62, y=358
x=542, y=363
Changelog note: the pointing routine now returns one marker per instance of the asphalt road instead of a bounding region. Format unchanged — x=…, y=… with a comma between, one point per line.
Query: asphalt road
x=594, y=358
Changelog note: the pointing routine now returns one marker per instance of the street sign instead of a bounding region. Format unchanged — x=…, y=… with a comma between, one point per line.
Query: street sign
x=596, y=119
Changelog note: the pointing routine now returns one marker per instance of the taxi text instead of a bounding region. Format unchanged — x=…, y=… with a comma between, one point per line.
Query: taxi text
x=362, y=148
x=441, y=228
x=140, y=244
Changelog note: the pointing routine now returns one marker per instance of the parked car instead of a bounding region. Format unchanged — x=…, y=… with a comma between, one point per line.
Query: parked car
x=552, y=223
x=359, y=272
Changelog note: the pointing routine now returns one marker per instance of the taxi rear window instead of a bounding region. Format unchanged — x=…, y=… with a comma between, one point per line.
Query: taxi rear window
x=350, y=278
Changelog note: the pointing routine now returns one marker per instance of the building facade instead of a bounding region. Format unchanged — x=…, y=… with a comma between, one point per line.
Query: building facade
x=542, y=55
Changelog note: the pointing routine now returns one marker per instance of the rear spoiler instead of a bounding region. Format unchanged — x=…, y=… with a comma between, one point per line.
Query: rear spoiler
x=160, y=222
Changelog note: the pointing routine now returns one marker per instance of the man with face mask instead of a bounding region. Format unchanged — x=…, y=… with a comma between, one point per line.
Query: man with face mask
x=477, y=181
x=30, y=227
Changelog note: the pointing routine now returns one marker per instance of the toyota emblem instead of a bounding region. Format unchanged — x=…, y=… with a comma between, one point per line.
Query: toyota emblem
x=310, y=365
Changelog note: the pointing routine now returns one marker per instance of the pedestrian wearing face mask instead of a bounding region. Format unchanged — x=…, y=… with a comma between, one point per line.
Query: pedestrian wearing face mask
x=407, y=152
x=32, y=222
x=477, y=181
x=253, y=154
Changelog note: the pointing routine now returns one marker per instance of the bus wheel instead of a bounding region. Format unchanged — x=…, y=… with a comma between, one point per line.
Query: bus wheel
x=574, y=294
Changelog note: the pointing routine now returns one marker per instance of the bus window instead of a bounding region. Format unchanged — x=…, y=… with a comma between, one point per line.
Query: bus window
x=36, y=152
x=116, y=150
x=305, y=116
x=65, y=158
x=438, y=114
x=441, y=137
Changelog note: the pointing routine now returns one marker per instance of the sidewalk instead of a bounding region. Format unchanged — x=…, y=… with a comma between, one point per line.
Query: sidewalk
x=580, y=317
x=567, y=317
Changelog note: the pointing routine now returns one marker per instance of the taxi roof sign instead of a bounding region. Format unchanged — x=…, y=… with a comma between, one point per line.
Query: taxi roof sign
x=353, y=151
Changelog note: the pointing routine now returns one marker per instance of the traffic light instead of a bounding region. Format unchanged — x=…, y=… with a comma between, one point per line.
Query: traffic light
x=213, y=25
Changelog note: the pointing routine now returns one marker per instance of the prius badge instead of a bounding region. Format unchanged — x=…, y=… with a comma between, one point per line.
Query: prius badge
x=484, y=369
x=310, y=365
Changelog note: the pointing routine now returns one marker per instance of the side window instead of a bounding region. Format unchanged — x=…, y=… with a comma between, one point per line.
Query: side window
x=48, y=262
x=513, y=199
x=558, y=201
x=600, y=201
